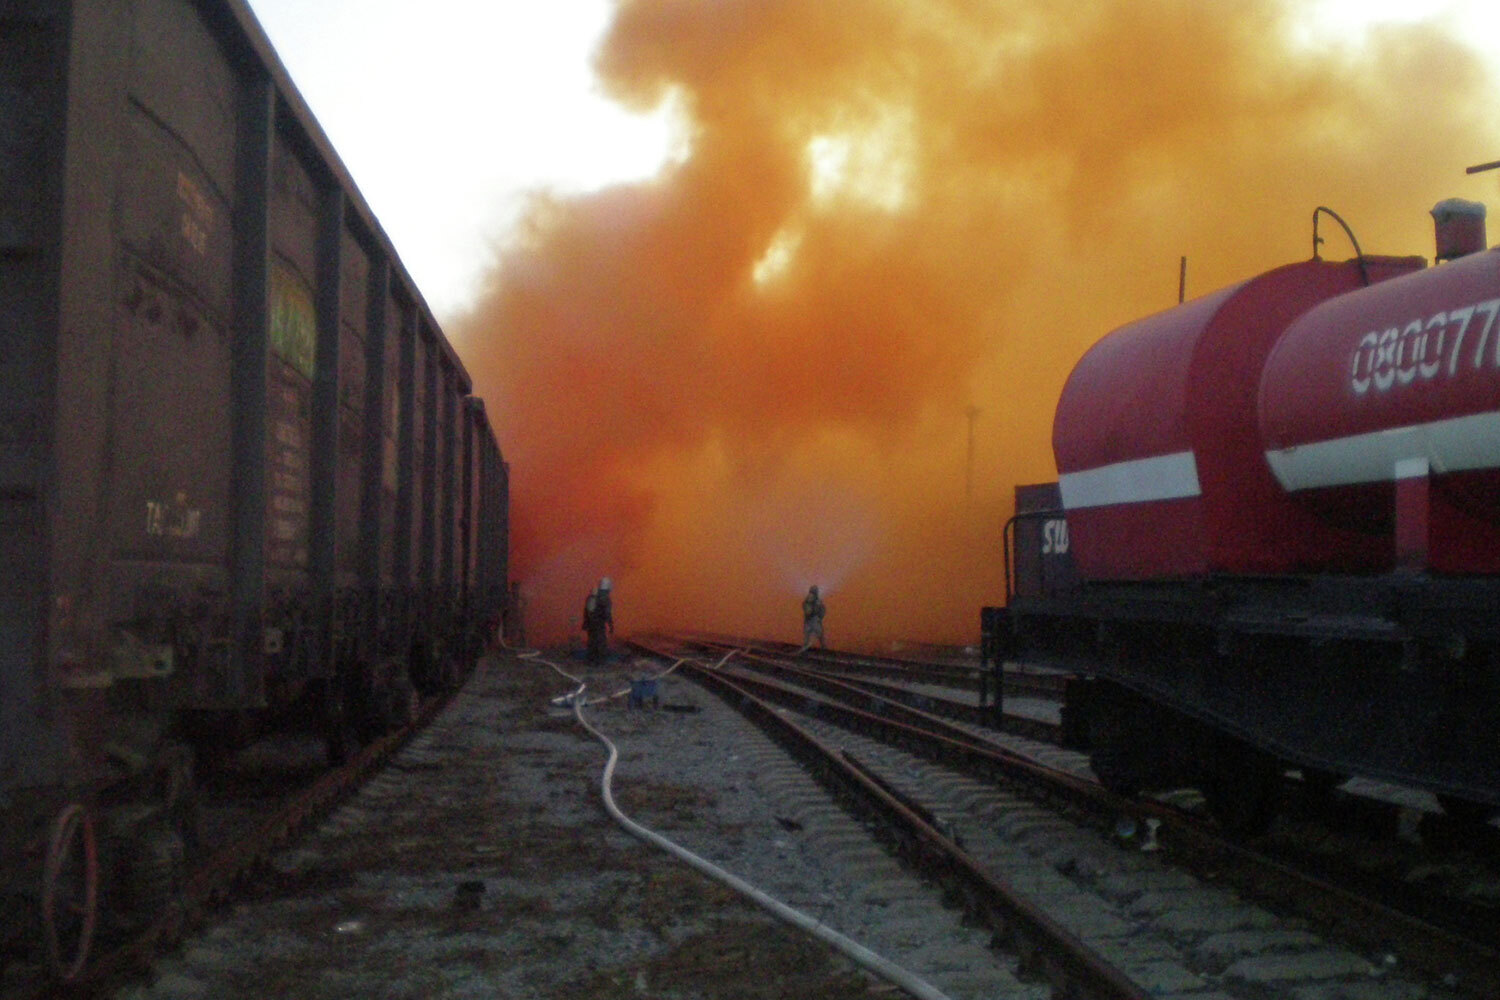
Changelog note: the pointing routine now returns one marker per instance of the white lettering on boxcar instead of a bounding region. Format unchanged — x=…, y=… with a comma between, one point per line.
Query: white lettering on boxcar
x=173, y=520
x=197, y=213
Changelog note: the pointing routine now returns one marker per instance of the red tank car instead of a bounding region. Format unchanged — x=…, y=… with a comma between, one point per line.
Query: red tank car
x=1380, y=411
x=1157, y=446
x=1280, y=538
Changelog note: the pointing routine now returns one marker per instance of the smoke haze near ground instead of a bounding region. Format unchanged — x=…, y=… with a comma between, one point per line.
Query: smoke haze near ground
x=755, y=372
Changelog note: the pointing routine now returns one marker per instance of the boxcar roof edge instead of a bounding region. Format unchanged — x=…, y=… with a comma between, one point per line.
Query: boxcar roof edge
x=251, y=32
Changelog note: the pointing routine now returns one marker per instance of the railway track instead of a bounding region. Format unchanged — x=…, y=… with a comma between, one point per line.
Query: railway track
x=1048, y=950
x=244, y=837
x=946, y=673
x=1033, y=699
x=963, y=691
x=1034, y=708
x=479, y=863
x=1441, y=955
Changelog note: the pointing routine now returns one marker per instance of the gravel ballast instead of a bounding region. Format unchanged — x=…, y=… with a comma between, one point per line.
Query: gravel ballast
x=481, y=863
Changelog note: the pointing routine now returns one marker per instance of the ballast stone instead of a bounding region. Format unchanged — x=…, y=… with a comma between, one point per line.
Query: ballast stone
x=1213, y=919
x=1159, y=903
x=1164, y=977
x=1362, y=990
x=886, y=892
x=951, y=956
x=915, y=933
x=1324, y=964
x=1126, y=886
x=1149, y=962
x=989, y=983
x=1083, y=916
x=1220, y=950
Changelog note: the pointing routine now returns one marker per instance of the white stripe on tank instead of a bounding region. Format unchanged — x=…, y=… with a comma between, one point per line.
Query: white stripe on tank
x=1161, y=477
x=1458, y=444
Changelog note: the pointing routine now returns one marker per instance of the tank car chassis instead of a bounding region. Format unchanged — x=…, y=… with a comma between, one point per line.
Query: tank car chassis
x=1224, y=682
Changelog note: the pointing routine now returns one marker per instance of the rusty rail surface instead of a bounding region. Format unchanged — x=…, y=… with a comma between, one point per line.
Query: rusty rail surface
x=835, y=682
x=971, y=677
x=1197, y=846
x=1048, y=951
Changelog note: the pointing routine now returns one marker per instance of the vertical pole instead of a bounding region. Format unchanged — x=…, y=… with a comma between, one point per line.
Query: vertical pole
x=372, y=473
x=404, y=578
x=1182, y=281
x=467, y=517
x=406, y=398
x=973, y=413
x=252, y=261
x=1413, y=513
x=427, y=562
x=447, y=469
x=325, y=428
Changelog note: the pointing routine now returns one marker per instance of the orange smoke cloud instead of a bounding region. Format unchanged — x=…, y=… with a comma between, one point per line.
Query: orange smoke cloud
x=754, y=372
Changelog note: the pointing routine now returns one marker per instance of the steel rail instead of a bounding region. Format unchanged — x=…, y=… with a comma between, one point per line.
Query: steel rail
x=871, y=663
x=832, y=683
x=1356, y=918
x=1048, y=951
x=1017, y=682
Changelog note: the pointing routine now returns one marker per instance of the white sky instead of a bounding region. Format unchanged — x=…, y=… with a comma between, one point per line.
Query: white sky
x=446, y=112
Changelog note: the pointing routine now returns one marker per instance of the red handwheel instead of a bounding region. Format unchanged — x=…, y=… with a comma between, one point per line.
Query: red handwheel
x=70, y=891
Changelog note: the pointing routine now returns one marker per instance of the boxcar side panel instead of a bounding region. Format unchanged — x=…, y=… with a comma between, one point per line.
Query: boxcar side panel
x=290, y=369
x=146, y=348
x=223, y=406
x=33, y=52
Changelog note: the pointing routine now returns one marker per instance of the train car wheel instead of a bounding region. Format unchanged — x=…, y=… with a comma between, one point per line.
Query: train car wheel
x=340, y=740
x=149, y=875
x=1321, y=784
x=403, y=703
x=1119, y=742
x=178, y=791
x=70, y=892
x=393, y=701
x=1242, y=788
x=1466, y=811
x=422, y=669
x=1115, y=772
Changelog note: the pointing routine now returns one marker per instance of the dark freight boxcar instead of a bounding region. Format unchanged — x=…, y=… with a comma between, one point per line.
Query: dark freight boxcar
x=232, y=436
x=491, y=549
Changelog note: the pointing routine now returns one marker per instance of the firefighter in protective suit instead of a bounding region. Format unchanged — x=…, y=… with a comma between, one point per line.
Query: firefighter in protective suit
x=812, y=618
x=594, y=625
x=606, y=605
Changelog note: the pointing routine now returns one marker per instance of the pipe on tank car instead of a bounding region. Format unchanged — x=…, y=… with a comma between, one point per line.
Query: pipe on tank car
x=1359, y=255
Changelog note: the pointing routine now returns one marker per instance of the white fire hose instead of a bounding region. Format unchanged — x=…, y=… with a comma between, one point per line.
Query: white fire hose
x=865, y=958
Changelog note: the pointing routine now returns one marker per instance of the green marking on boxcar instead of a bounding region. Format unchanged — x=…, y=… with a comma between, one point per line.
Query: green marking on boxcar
x=294, y=325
